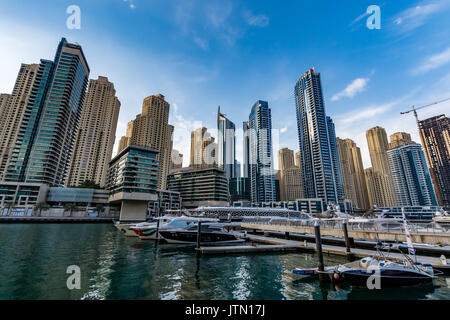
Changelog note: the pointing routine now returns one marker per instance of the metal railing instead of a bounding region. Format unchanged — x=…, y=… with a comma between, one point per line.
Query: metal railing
x=380, y=226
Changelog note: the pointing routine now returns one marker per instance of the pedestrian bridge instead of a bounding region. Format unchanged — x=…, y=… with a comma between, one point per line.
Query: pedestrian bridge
x=420, y=233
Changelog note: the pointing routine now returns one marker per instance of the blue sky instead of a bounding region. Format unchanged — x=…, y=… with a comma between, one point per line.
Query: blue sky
x=201, y=54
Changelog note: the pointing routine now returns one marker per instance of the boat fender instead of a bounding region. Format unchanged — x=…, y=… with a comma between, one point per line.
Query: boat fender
x=336, y=276
x=364, y=262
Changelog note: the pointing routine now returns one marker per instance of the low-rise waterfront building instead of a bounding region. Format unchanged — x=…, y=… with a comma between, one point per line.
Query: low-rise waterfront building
x=132, y=181
x=21, y=198
x=200, y=187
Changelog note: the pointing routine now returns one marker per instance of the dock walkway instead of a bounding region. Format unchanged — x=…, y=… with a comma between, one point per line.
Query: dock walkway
x=280, y=245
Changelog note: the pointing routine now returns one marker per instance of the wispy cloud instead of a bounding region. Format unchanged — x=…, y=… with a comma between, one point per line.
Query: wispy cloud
x=202, y=43
x=414, y=17
x=258, y=20
x=433, y=62
x=353, y=124
x=356, y=86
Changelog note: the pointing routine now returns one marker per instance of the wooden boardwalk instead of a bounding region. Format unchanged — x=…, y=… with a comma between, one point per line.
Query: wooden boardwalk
x=281, y=245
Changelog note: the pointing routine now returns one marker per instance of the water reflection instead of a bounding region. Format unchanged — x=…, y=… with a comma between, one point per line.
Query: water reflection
x=35, y=258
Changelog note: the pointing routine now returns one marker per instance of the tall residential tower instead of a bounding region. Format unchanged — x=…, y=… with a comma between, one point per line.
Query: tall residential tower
x=226, y=145
x=46, y=135
x=317, y=141
x=96, y=135
x=435, y=136
x=258, y=141
x=381, y=172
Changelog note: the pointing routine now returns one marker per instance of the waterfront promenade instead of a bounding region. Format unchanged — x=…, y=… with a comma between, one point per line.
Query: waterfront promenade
x=50, y=219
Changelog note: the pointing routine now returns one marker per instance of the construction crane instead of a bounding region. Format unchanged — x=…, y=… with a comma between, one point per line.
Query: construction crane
x=422, y=138
x=421, y=107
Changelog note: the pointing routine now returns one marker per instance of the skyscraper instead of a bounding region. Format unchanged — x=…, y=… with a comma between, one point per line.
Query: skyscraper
x=96, y=135
x=410, y=175
x=13, y=111
x=226, y=145
x=319, y=156
x=398, y=139
x=355, y=187
x=435, y=136
x=203, y=149
x=151, y=129
x=378, y=147
x=374, y=180
x=335, y=159
x=293, y=182
x=258, y=141
x=46, y=136
x=285, y=161
x=125, y=140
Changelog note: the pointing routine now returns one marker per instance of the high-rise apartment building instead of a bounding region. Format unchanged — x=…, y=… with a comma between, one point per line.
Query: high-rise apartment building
x=399, y=139
x=285, y=161
x=13, y=112
x=435, y=136
x=317, y=141
x=226, y=145
x=293, y=182
x=378, y=147
x=203, y=149
x=151, y=129
x=410, y=175
x=258, y=144
x=96, y=134
x=354, y=181
x=374, y=180
x=46, y=135
x=125, y=140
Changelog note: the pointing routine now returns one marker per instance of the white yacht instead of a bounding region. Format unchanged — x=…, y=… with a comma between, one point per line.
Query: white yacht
x=149, y=231
x=125, y=228
x=442, y=218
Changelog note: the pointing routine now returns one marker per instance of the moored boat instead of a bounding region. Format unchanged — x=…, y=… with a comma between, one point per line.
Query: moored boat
x=211, y=233
x=150, y=231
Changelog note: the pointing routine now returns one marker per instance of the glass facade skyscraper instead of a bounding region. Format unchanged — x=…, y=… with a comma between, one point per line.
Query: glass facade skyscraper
x=46, y=137
x=226, y=145
x=258, y=151
x=317, y=141
x=411, y=177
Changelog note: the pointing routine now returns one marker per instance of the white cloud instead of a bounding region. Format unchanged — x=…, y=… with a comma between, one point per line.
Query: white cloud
x=353, y=124
x=416, y=16
x=357, y=85
x=433, y=62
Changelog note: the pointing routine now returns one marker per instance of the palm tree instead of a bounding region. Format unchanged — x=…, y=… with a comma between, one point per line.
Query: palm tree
x=70, y=207
x=41, y=206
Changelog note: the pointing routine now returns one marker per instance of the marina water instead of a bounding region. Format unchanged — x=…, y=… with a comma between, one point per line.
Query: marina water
x=35, y=258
